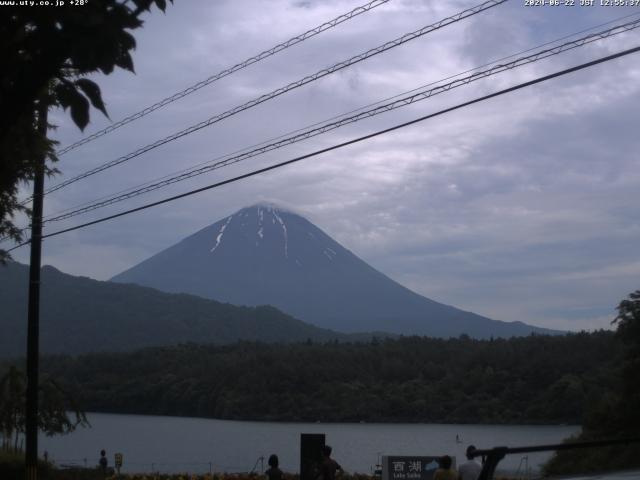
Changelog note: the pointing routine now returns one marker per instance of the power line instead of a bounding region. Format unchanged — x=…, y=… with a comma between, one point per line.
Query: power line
x=224, y=73
x=344, y=144
x=275, y=93
x=106, y=197
x=398, y=103
x=197, y=170
x=359, y=109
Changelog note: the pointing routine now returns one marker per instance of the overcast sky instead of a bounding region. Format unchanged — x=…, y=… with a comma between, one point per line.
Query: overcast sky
x=523, y=207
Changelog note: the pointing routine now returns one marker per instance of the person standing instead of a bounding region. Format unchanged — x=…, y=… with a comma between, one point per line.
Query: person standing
x=329, y=468
x=469, y=470
x=445, y=472
x=103, y=462
x=273, y=472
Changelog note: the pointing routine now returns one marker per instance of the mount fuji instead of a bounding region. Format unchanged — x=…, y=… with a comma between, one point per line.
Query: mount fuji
x=265, y=255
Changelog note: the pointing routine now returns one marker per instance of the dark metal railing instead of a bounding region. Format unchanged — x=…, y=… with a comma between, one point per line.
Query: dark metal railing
x=491, y=457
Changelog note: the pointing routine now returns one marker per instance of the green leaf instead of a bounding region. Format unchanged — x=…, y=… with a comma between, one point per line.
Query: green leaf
x=125, y=61
x=92, y=91
x=80, y=110
x=143, y=4
x=68, y=96
x=63, y=94
x=161, y=4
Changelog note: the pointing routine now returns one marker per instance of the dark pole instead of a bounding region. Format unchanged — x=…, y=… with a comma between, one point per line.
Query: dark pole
x=33, y=318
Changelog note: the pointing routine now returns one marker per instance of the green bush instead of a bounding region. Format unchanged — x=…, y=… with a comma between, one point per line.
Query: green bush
x=12, y=467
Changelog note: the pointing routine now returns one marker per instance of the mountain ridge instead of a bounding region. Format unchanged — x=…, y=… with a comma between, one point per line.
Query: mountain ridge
x=264, y=254
x=81, y=315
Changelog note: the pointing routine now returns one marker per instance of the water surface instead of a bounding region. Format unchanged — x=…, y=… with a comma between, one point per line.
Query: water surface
x=175, y=444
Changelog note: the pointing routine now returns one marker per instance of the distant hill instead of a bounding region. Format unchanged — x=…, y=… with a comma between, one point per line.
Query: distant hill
x=82, y=315
x=265, y=255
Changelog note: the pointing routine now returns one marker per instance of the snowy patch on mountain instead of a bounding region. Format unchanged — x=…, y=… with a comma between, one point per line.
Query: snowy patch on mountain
x=221, y=233
x=284, y=232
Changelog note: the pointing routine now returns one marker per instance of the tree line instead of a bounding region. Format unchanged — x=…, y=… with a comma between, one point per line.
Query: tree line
x=527, y=380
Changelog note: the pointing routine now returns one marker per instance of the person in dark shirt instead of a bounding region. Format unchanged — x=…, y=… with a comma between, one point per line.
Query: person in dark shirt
x=103, y=462
x=273, y=472
x=329, y=468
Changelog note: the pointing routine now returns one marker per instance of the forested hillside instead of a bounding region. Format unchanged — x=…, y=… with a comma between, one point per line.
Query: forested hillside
x=536, y=379
x=80, y=315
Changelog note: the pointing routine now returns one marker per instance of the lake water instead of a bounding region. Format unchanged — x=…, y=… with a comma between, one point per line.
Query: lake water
x=194, y=445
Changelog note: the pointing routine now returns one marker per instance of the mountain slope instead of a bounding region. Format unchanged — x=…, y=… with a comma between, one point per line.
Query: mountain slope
x=266, y=255
x=83, y=315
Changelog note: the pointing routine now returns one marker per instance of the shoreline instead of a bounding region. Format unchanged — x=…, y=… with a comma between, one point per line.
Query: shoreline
x=320, y=422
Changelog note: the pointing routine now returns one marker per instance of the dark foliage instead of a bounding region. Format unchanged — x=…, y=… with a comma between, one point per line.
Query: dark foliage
x=536, y=379
x=58, y=411
x=45, y=55
x=12, y=467
x=616, y=413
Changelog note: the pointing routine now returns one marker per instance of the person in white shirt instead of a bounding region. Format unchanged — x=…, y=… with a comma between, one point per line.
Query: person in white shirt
x=469, y=470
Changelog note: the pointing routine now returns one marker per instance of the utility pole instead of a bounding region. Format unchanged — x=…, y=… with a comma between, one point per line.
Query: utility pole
x=33, y=317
